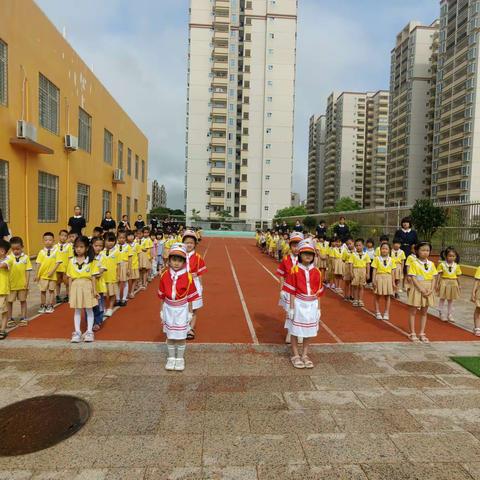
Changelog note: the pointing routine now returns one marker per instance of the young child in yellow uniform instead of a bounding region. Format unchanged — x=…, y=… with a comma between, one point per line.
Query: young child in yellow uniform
x=111, y=259
x=64, y=253
x=336, y=262
x=382, y=279
x=48, y=263
x=145, y=258
x=476, y=300
x=348, y=249
x=19, y=276
x=81, y=273
x=422, y=273
x=134, y=273
x=399, y=258
x=322, y=256
x=5, y=265
x=359, y=262
x=100, y=285
x=447, y=285
x=124, y=266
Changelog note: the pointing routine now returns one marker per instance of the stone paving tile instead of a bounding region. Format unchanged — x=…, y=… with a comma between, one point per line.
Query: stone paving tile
x=65, y=382
x=230, y=422
x=348, y=448
x=400, y=398
x=461, y=381
x=424, y=367
x=473, y=469
x=245, y=401
x=166, y=401
x=409, y=381
x=437, y=446
x=181, y=422
x=16, y=474
x=230, y=473
x=438, y=419
x=345, y=382
x=301, y=472
x=455, y=398
x=173, y=473
x=376, y=420
x=292, y=421
x=245, y=450
x=321, y=400
x=416, y=471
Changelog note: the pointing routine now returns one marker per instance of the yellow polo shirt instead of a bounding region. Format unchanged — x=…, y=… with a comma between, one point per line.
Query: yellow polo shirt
x=100, y=284
x=5, y=276
x=18, y=271
x=477, y=273
x=417, y=269
x=379, y=264
x=398, y=256
x=85, y=270
x=335, y=252
x=111, y=258
x=449, y=271
x=47, y=259
x=359, y=260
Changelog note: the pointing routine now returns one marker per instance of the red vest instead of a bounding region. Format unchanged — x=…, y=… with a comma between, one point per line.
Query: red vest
x=196, y=264
x=286, y=265
x=177, y=288
x=305, y=283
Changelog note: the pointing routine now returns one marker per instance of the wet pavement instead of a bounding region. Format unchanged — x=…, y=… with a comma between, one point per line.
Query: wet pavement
x=370, y=411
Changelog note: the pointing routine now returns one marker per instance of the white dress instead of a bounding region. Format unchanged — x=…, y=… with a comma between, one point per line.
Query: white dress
x=196, y=304
x=174, y=313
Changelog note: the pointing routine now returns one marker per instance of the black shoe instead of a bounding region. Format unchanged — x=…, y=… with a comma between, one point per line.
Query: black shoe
x=58, y=299
x=118, y=303
x=65, y=299
x=123, y=303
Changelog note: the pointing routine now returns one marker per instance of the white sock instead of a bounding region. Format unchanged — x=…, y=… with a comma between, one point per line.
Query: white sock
x=180, y=350
x=117, y=295
x=125, y=292
x=449, y=307
x=77, y=318
x=89, y=319
x=441, y=304
x=170, y=350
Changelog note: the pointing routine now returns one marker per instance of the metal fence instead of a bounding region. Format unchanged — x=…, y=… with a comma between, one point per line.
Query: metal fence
x=462, y=229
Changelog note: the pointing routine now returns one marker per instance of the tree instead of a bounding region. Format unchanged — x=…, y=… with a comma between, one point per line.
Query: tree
x=427, y=218
x=346, y=204
x=353, y=226
x=309, y=223
x=224, y=214
x=163, y=212
x=290, y=212
x=195, y=215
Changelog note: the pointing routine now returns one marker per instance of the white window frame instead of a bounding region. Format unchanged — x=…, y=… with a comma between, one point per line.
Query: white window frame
x=47, y=210
x=48, y=104
x=108, y=147
x=84, y=130
x=83, y=199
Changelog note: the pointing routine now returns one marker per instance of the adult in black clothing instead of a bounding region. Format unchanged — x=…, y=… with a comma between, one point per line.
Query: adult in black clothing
x=406, y=235
x=4, y=231
x=124, y=223
x=341, y=230
x=154, y=223
x=298, y=226
x=321, y=229
x=108, y=223
x=77, y=223
x=139, y=223
x=284, y=227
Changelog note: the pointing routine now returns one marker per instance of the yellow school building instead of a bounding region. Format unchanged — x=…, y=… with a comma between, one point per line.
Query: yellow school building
x=64, y=140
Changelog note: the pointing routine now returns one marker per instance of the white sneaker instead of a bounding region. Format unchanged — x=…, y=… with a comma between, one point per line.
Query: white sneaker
x=443, y=317
x=49, y=309
x=450, y=318
x=76, y=337
x=378, y=316
x=170, y=365
x=88, y=337
x=386, y=317
x=42, y=309
x=108, y=312
x=179, y=364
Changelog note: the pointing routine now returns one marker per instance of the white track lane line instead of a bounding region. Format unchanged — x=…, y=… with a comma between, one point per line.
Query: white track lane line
x=325, y=326
x=242, y=300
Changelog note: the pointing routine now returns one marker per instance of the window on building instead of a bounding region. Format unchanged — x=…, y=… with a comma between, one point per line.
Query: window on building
x=83, y=196
x=107, y=147
x=243, y=193
x=119, y=207
x=271, y=35
x=269, y=114
x=267, y=177
x=135, y=205
x=3, y=73
x=267, y=162
x=265, y=208
x=269, y=130
x=268, y=146
x=120, y=155
x=48, y=104
x=106, y=201
x=47, y=198
x=269, y=99
x=4, y=189
x=137, y=166
x=84, y=130
x=243, y=208
x=267, y=192
x=129, y=161
x=128, y=206
x=143, y=170
x=270, y=68
x=244, y=177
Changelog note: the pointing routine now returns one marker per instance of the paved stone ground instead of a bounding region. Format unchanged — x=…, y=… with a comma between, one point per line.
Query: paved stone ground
x=369, y=411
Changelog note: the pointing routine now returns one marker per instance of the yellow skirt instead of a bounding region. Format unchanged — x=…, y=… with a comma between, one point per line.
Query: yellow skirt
x=398, y=273
x=359, y=277
x=144, y=262
x=134, y=274
x=384, y=284
x=81, y=294
x=477, y=299
x=112, y=289
x=337, y=266
x=416, y=299
x=123, y=272
x=449, y=289
x=322, y=263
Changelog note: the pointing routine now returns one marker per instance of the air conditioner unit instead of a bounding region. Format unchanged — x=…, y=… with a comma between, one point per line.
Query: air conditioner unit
x=118, y=175
x=71, y=142
x=26, y=130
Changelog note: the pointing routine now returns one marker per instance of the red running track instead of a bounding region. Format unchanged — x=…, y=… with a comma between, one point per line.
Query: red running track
x=241, y=306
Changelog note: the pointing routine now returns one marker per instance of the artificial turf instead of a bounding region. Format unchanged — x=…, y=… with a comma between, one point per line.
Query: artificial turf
x=472, y=364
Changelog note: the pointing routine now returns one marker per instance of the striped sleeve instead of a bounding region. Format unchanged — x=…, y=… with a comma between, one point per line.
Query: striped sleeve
x=289, y=285
x=202, y=267
x=281, y=269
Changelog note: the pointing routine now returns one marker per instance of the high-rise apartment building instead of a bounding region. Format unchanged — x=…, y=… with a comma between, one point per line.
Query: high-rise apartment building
x=412, y=100
x=353, y=163
x=241, y=79
x=456, y=140
x=316, y=160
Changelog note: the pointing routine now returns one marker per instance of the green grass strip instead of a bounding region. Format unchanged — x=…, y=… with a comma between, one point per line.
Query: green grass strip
x=472, y=364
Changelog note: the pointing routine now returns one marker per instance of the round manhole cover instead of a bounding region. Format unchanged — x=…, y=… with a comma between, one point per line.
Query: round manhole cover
x=40, y=422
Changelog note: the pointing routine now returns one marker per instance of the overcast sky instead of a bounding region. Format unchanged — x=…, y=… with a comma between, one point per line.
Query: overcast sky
x=138, y=49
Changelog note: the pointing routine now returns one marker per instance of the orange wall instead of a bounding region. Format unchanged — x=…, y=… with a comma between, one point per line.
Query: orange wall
x=35, y=44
